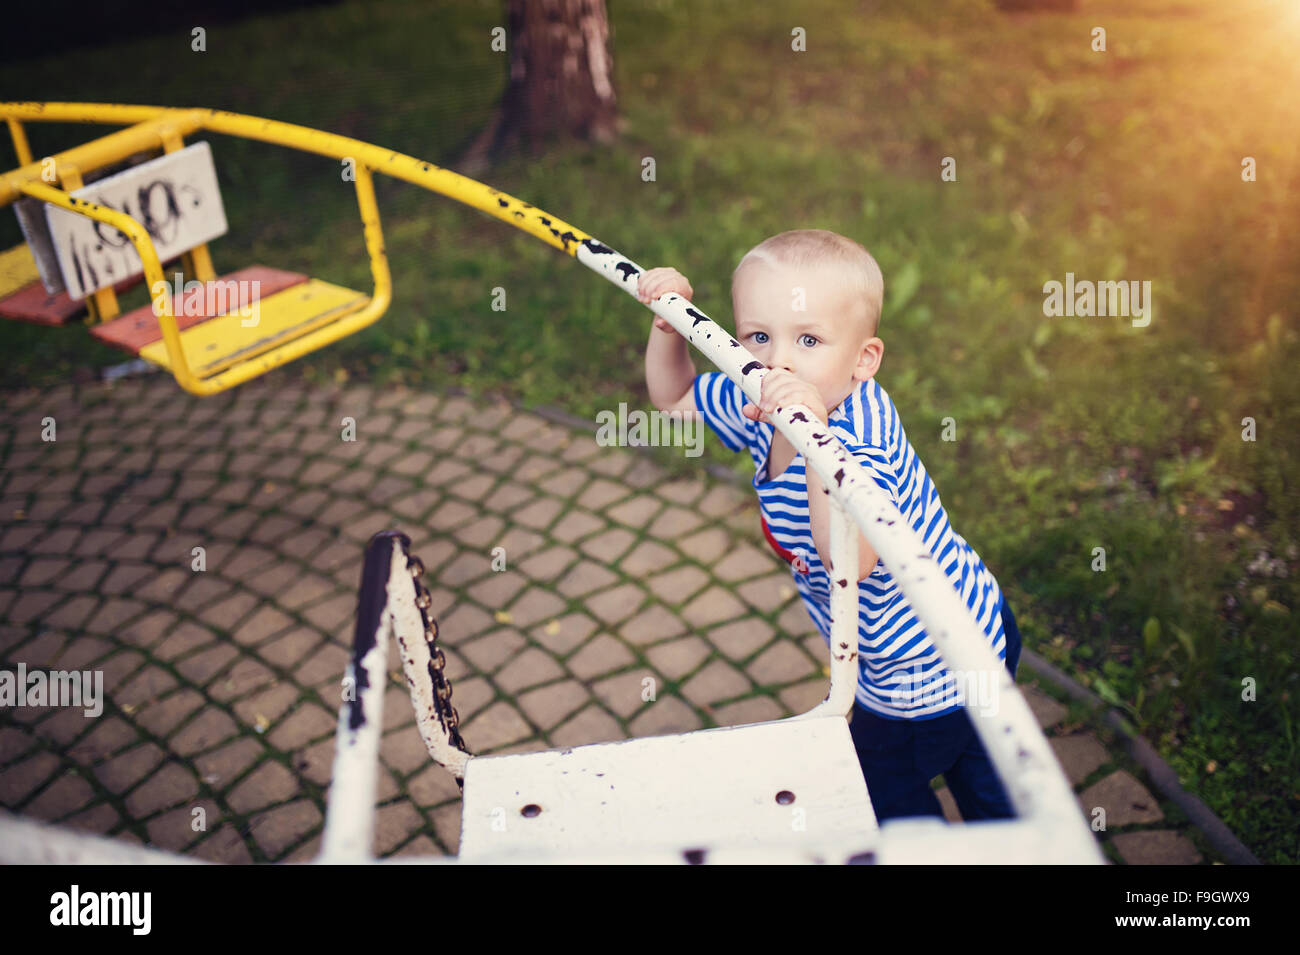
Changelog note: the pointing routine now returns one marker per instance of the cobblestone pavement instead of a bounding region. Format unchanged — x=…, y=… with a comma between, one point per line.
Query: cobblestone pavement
x=222, y=685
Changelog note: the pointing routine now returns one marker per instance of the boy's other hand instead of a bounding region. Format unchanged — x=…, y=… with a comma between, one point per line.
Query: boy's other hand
x=656, y=282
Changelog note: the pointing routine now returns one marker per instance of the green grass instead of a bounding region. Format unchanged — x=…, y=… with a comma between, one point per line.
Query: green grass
x=1073, y=433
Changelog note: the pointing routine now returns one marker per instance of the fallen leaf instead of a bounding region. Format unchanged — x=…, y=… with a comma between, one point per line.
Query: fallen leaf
x=262, y=723
x=552, y=628
x=1211, y=766
x=503, y=616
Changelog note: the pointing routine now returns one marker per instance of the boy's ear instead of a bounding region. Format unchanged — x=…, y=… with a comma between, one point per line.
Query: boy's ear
x=873, y=352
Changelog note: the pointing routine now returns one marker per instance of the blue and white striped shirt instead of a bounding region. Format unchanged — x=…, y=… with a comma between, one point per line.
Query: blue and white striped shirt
x=901, y=675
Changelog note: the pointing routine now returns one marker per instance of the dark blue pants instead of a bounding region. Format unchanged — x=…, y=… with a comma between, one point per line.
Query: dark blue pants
x=900, y=757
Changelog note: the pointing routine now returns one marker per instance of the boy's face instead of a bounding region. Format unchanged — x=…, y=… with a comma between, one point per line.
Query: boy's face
x=803, y=321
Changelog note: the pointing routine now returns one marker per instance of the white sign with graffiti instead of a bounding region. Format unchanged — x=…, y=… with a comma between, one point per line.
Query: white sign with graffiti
x=176, y=199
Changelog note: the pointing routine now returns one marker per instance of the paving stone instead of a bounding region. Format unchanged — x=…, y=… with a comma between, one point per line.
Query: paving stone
x=110, y=734
x=291, y=649
x=127, y=769
x=533, y=605
x=264, y=708
x=67, y=794
x=756, y=709
x=548, y=706
x=433, y=785
x=31, y=605
x=653, y=624
x=767, y=594
x=493, y=650
x=277, y=829
x=22, y=778
x=646, y=558
x=201, y=667
x=591, y=725
x=600, y=493
x=145, y=686
x=716, y=682
x=72, y=612
x=666, y=715
x=1047, y=711
x=404, y=750
x=781, y=663
x=168, y=787
x=1156, y=847
x=498, y=725
x=562, y=634
x=601, y=655
x=99, y=819
x=316, y=762
x=394, y=825
x=585, y=577
x=608, y=546
x=678, y=585
x=498, y=589
x=674, y=522
x=505, y=497
x=624, y=692
x=419, y=847
x=744, y=561
x=13, y=743
x=1080, y=754
x=712, y=606
x=225, y=846
x=802, y=697
x=679, y=657
x=1125, y=800
x=721, y=500
x=327, y=661
x=210, y=727
x=224, y=764
x=162, y=718
x=175, y=831
x=706, y=545
x=113, y=615
x=186, y=638
x=576, y=524
x=615, y=604
x=539, y=514
x=526, y=669
x=741, y=638
x=307, y=722
x=64, y=725
x=270, y=783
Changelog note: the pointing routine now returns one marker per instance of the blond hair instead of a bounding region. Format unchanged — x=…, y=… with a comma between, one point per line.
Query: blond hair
x=799, y=248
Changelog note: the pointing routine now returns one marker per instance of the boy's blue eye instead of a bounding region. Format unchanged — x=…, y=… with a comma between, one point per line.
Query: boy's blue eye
x=811, y=338
x=760, y=337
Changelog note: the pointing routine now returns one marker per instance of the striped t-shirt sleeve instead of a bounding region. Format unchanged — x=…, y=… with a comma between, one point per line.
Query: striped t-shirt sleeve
x=719, y=400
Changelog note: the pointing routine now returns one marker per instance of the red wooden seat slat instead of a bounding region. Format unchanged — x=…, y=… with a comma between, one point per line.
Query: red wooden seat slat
x=139, y=327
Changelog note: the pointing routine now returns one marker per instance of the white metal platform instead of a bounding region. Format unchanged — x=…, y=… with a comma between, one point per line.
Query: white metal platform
x=786, y=784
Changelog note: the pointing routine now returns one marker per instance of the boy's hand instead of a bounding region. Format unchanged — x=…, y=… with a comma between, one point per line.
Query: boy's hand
x=656, y=282
x=781, y=388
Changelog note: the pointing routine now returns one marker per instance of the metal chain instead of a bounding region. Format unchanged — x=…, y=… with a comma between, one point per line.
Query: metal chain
x=437, y=661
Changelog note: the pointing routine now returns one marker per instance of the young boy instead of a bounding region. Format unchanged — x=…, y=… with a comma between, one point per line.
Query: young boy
x=807, y=304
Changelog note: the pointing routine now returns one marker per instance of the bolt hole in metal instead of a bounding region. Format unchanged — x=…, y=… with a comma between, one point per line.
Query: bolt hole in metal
x=531, y=810
x=785, y=797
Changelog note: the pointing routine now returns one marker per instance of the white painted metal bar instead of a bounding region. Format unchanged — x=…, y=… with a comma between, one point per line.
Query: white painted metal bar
x=29, y=842
x=349, y=820
x=845, y=621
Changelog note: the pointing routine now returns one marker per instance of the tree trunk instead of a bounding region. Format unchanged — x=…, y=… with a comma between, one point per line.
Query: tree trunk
x=561, y=82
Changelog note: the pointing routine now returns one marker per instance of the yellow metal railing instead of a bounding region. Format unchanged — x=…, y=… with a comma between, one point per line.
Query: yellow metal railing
x=151, y=127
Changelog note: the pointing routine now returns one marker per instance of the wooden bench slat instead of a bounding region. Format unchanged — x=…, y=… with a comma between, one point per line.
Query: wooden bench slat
x=139, y=328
